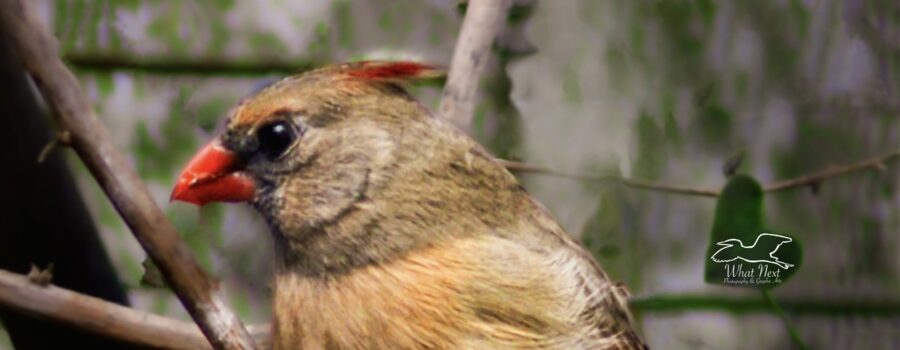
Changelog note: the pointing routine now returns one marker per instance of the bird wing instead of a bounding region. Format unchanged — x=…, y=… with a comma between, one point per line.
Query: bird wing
x=609, y=311
x=602, y=308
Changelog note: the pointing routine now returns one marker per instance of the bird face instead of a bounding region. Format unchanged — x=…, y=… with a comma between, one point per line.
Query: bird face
x=265, y=133
x=386, y=218
x=305, y=150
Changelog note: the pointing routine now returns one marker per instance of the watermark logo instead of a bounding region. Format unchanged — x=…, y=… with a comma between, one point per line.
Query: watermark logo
x=758, y=263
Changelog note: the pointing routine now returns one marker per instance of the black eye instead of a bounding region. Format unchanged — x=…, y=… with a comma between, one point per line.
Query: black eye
x=274, y=138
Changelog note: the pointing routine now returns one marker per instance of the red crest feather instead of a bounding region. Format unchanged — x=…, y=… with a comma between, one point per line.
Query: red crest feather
x=393, y=71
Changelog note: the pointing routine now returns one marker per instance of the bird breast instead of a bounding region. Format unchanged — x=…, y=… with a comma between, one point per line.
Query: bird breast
x=485, y=292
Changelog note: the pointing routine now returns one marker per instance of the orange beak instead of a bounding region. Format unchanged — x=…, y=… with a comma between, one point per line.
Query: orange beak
x=213, y=176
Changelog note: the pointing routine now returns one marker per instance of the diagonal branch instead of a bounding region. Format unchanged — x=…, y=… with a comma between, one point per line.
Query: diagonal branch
x=89, y=138
x=812, y=179
x=742, y=305
x=102, y=317
x=833, y=171
x=646, y=185
x=483, y=21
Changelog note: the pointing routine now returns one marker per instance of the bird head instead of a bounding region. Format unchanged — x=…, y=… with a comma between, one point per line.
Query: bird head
x=331, y=158
x=271, y=136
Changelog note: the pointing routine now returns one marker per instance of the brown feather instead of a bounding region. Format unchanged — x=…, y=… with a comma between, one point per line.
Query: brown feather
x=394, y=230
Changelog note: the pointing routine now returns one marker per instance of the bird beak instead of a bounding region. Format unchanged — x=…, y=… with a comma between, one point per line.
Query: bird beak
x=213, y=175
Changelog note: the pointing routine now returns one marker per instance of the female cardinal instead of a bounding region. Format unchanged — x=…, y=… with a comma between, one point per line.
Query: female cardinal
x=393, y=230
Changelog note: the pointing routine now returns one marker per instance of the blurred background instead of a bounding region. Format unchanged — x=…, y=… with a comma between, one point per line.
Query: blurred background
x=665, y=91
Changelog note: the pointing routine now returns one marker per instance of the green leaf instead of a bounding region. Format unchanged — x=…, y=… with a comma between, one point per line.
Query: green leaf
x=604, y=235
x=344, y=23
x=152, y=277
x=707, y=9
x=159, y=158
x=266, y=43
x=105, y=84
x=320, y=45
x=225, y=5
x=713, y=126
x=741, y=251
x=572, y=84
x=651, y=157
x=672, y=134
x=167, y=29
x=209, y=113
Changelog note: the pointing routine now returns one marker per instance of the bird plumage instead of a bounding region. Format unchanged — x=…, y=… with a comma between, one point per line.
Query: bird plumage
x=394, y=230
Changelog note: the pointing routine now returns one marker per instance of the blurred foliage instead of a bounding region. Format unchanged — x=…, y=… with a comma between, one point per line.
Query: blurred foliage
x=739, y=215
x=706, y=74
x=159, y=157
x=5, y=342
x=799, y=86
x=606, y=237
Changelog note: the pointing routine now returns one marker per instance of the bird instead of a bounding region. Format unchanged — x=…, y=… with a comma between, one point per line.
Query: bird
x=395, y=230
x=761, y=251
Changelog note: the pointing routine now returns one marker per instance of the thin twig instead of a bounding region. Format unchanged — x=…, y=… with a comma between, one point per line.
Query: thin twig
x=104, y=318
x=801, y=181
x=646, y=185
x=741, y=305
x=63, y=138
x=791, y=330
x=834, y=171
x=89, y=138
x=41, y=277
x=482, y=22
x=660, y=187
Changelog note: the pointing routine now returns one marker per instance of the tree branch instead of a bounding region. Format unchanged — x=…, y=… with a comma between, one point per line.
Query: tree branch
x=483, y=21
x=141, y=328
x=800, y=181
x=666, y=303
x=102, y=317
x=90, y=139
x=833, y=171
x=646, y=185
x=184, y=66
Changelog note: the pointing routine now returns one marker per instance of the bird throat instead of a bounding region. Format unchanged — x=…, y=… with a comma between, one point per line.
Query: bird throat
x=356, y=238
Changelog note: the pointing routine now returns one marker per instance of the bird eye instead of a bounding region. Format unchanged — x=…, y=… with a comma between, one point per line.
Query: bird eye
x=274, y=138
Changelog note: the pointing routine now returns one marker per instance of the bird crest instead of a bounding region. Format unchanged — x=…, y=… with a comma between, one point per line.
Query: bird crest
x=391, y=71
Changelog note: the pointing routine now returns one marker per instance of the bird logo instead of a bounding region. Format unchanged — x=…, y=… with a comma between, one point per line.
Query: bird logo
x=761, y=251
